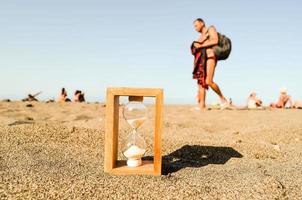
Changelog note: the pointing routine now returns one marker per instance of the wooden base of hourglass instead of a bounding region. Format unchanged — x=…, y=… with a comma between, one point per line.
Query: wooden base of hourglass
x=112, y=165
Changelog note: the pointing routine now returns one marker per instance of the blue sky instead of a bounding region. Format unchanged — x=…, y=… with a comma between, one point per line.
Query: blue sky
x=91, y=45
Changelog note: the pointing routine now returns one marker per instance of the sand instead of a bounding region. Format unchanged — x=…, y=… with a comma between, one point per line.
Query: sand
x=55, y=151
x=134, y=152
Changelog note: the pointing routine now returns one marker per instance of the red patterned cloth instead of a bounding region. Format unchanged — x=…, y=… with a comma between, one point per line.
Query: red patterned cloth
x=200, y=65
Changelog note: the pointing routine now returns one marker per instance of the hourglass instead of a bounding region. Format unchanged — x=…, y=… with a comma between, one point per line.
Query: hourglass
x=135, y=113
x=134, y=147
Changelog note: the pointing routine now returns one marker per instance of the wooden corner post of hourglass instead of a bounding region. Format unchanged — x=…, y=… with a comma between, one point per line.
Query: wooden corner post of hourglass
x=111, y=163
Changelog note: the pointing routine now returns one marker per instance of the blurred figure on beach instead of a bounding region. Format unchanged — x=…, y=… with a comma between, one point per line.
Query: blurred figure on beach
x=31, y=97
x=79, y=96
x=297, y=104
x=63, y=96
x=210, y=47
x=253, y=102
x=283, y=100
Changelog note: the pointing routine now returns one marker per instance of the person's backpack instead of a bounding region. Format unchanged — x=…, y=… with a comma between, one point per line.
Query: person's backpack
x=223, y=49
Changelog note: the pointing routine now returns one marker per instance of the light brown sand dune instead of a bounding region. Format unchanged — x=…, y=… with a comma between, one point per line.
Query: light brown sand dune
x=55, y=151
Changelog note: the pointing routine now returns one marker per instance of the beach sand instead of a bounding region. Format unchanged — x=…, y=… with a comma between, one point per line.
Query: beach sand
x=56, y=151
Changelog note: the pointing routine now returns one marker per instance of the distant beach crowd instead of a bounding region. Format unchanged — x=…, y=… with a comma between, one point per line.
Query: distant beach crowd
x=78, y=96
x=254, y=102
x=284, y=101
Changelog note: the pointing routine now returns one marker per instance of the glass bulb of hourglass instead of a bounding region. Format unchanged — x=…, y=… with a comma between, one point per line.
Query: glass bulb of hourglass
x=134, y=149
x=135, y=113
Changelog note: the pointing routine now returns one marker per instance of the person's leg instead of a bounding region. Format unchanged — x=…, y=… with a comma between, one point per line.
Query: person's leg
x=198, y=96
x=202, y=96
x=211, y=64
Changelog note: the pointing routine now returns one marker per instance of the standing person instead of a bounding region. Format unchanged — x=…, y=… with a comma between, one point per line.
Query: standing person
x=210, y=47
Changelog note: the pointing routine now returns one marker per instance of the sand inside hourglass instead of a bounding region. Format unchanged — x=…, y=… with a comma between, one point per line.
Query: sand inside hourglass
x=135, y=123
x=134, y=152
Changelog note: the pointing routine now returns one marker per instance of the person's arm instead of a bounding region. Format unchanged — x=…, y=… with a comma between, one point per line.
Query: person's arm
x=201, y=42
x=197, y=44
x=212, y=39
x=258, y=102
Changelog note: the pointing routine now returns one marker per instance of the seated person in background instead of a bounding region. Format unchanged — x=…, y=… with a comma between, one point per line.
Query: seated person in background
x=79, y=96
x=253, y=102
x=63, y=96
x=284, y=98
x=297, y=105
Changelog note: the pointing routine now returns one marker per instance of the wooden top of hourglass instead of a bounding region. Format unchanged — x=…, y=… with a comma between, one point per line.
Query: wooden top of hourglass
x=136, y=98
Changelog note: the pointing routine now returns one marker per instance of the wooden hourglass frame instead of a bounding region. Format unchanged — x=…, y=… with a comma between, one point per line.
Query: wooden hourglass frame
x=112, y=165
